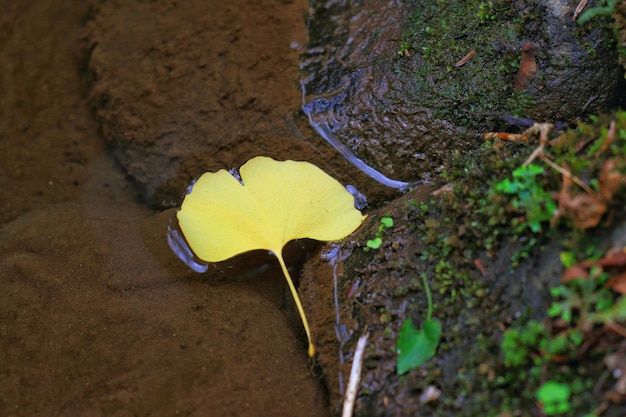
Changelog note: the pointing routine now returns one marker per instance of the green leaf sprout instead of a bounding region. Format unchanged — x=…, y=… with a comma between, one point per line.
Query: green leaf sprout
x=554, y=397
x=529, y=197
x=385, y=223
x=416, y=346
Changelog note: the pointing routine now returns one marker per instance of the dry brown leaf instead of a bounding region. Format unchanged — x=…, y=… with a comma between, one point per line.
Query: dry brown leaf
x=615, y=257
x=574, y=272
x=610, y=180
x=527, y=68
x=618, y=283
x=610, y=135
x=586, y=209
x=579, y=9
x=466, y=58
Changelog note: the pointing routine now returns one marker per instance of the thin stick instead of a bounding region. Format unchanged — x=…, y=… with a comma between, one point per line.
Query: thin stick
x=568, y=174
x=579, y=9
x=429, y=297
x=294, y=293
x=355, y=377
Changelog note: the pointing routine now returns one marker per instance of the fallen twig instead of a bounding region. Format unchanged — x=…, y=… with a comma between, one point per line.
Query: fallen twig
x=355, y=377
x=466, y=58
x=567, y=173
x=579, y=9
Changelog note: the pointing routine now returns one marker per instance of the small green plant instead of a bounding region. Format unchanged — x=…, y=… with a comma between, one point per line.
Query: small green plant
x=404, y=47
x=579, y=303
x=540, y=348
x=385, y=223
x=606, y=10
x=520, y=345
x=554, y=398
x=416, y=346
x=529, y=197
x=581, y=295
x=485, y=12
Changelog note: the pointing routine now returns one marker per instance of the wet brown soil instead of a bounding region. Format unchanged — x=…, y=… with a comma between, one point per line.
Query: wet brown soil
x=97, y=316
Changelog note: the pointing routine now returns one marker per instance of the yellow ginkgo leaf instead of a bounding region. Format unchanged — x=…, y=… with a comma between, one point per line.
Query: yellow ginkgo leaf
x=278, y=201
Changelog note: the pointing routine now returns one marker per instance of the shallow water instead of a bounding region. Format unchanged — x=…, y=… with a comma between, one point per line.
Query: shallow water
x=346, y=96
x=97, y=315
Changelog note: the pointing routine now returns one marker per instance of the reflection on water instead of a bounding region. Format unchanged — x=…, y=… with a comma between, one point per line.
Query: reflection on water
x=338, y=96
x=337, y=254
x=325, y=129
x=181, y=249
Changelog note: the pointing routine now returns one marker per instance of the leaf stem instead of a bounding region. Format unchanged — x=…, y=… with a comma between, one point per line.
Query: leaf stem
x=428, y=297
x=294, y=293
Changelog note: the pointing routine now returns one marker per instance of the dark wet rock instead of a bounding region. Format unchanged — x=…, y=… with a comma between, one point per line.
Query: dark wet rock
x=469, y=252
x=578, y=71
x=380, y=77
x=179, y=92
x=165, y=95
x=378, y=291
x=355, y=95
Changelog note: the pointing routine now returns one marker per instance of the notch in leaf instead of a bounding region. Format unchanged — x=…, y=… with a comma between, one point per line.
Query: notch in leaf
x=275, y=202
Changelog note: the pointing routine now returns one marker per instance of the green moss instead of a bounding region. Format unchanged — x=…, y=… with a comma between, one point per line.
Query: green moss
x=441, y=33
x=476, y=219
x=446, y=237
x=385, y=316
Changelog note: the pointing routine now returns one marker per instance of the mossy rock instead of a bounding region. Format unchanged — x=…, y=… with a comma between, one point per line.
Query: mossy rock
x=486, y=274
x=386, y=81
